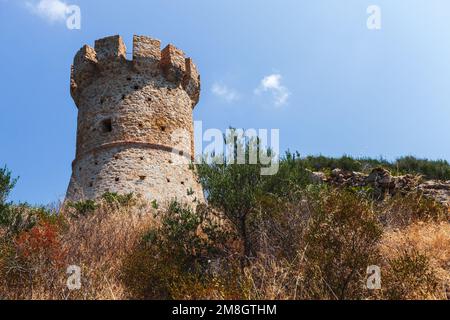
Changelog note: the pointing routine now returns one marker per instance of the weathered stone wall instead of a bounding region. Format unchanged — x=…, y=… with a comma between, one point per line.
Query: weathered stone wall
x=384, y=183
x=134, y=121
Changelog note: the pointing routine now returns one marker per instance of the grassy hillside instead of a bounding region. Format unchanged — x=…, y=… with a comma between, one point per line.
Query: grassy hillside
x=430, y=169
x=258, y=237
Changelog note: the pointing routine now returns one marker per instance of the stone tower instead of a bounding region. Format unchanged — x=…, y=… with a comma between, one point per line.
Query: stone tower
x=135, y=128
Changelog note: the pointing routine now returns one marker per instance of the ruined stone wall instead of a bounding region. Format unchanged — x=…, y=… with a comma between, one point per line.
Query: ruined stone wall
x=384, y=183
x=135, y=128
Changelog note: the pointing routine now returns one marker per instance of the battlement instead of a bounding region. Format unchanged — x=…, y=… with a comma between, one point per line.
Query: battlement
x=109, y=56
x=146, y=53
x=110, y=49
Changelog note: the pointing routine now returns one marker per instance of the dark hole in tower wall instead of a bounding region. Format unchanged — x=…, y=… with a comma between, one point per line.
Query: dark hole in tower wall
x=106, y=125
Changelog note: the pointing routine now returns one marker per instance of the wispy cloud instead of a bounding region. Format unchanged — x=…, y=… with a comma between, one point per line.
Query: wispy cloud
x=272, y=84
x=224, y=92
x=50, y=10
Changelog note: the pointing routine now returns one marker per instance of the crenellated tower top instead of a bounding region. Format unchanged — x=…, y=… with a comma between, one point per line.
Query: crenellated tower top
x=109, y=56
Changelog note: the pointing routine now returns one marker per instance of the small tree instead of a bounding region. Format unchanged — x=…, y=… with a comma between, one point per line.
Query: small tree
x=239, y=189
x=7, y=183
x=232, y=187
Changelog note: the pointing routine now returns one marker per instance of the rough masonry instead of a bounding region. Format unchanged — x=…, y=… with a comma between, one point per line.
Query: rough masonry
x=135, y=127
x=384, y=183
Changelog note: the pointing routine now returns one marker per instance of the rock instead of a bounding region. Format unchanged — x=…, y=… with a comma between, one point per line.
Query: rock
x=379, y=176
x=436, y=189
x=318, y=177
x=384, y=183
x=336, y=172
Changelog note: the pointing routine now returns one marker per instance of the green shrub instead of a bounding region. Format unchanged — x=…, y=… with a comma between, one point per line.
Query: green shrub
x=18, y=218
x=233, y=188
x=7, y=183
x=120, y=199
x=83, y=208
x=410, y=276
x=186, y=235
x=402, y=210
x=176, y=252
x=341, y=242
x=237, y=189
x=318, y=163
x=431, y=169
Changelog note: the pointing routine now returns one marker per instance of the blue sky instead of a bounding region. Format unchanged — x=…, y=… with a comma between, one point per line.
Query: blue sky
x=310, y=68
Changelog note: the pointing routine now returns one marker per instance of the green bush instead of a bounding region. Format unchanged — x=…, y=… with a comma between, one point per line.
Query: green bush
x=83, y=208
x=18, y=218
x=410, y=276
x=120, y=199
x=431, y=169
x=402, y=210
x=7, y=183
x=233, y=188
x=341, y=241
x=180, y=235
x=176, y=252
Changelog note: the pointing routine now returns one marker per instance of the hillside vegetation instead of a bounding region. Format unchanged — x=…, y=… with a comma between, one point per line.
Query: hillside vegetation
x=430, y=169
x=258, y=237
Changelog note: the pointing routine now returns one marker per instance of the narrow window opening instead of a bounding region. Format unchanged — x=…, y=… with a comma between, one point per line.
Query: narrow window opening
x=117, y=179
x=142, y=178
x=163, y=128
x=182, y=182
x=142, y=158
x=168, y=180
x=106, y=125
x=91, y=184
x=102, y=100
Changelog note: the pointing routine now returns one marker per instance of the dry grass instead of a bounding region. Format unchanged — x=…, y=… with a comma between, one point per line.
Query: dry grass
x=431, y=239
x=97, y=243
x=305, y=250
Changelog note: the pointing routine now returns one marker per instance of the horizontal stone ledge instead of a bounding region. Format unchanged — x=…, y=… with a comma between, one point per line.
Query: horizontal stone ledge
x=132, y=144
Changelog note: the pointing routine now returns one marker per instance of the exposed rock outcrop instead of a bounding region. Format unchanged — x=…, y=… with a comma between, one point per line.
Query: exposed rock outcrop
x=384, y=183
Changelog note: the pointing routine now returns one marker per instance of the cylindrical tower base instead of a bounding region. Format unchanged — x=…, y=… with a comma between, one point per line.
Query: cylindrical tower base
x=142, y=169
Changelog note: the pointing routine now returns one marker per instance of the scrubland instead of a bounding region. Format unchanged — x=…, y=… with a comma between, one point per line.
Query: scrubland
x=256, y=237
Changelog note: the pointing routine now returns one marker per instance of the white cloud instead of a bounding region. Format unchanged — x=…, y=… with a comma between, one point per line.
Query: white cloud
x=272, y=83
x=50, y=10
x=224, y=92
